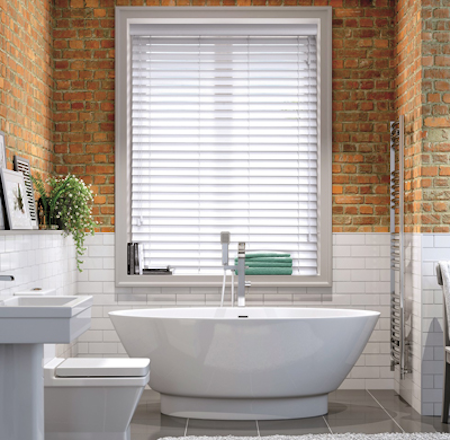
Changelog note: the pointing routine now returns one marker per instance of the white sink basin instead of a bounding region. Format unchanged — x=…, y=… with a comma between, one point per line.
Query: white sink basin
x=43, y=307
x=44, y=320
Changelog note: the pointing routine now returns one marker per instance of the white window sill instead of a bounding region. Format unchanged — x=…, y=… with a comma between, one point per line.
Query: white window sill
x=216, y=281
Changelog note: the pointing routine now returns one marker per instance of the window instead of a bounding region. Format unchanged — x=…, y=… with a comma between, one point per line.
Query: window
x=221, y=125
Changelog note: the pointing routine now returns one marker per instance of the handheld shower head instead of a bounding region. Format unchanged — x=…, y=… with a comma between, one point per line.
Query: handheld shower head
x=225, y=240
x=225, y=237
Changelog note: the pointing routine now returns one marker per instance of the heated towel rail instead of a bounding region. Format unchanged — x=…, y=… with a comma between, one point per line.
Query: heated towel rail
x=397, y=287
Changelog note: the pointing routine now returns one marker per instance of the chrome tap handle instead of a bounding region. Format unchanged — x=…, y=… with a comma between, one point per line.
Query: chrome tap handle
x=241, y=250
x=6, y=278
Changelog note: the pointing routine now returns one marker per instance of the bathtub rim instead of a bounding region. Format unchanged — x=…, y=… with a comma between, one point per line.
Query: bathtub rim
x=135, y=313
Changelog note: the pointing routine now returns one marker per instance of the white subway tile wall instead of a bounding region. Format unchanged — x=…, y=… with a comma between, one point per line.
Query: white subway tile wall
x=39, y=259
x=422, y=387
x=361, y=280
x=410, y=387
x=435, y=247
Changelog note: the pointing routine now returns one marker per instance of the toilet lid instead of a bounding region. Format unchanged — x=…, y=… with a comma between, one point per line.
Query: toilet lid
x=103, y=367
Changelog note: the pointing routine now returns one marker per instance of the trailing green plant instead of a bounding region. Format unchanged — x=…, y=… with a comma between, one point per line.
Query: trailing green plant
x=68, y=204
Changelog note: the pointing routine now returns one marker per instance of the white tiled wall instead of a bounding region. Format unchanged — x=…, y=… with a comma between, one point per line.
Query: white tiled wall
x=422, y=388
x=361, y=280
x=435, y=247
x=42, y=259
x=410, y=387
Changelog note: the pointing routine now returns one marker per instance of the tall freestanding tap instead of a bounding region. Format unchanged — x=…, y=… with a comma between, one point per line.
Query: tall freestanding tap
x=240, y=267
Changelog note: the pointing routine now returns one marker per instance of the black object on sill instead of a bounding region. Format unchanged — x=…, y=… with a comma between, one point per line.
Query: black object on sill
x=135, y=262
x=157, y=270
x=135, y=258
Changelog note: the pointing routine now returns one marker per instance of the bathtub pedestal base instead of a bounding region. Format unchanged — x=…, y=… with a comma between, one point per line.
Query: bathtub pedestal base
x=244, y=409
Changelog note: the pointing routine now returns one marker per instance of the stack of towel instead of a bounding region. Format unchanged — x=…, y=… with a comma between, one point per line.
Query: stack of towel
x=267, y=264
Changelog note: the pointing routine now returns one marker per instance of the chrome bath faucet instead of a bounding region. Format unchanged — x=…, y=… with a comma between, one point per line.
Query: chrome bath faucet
x=241, y=275
x=240, y=267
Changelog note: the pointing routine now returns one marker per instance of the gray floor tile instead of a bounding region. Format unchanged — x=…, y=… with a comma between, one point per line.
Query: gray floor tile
x=147, y=411
x=365, y=427
x=357, y=411
x=222, y=427
x=349, y=411
x=149, y=396
x=353, y=397
x=155, y=428
x=436, y=422
x=149, y=424
x=313, y=425
x=405, y=415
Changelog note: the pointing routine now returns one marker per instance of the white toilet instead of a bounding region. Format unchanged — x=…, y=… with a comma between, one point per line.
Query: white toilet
x=92, y=398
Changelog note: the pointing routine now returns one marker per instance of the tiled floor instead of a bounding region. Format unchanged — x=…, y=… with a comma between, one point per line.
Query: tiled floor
x=349, y=411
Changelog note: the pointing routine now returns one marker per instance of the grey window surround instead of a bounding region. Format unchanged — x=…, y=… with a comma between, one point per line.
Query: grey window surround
x=127, y=16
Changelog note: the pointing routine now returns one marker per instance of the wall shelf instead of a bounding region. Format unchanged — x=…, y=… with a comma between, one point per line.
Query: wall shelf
x=29, y=232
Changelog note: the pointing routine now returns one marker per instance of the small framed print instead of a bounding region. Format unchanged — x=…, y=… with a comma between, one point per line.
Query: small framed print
x=2, y=150
x=15, y=198
x=23, y=166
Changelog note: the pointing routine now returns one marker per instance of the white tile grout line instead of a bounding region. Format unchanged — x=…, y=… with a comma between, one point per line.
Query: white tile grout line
x=384, y=409
x=186, y=428
x=328, y=425
x=257, y=428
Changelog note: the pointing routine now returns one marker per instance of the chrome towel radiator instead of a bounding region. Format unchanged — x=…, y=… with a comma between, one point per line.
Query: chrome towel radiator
x=397, y=327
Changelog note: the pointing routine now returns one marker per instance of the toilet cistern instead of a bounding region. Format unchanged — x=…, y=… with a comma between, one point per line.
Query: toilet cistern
x=240, y=267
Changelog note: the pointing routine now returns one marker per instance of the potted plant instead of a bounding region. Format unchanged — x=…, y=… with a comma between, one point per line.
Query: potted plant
x=67, y=206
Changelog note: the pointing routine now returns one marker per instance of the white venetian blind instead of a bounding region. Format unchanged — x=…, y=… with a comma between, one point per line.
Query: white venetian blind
x=224, y=137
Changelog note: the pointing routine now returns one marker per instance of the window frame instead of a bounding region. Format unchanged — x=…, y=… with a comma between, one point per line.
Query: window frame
x=126, y=16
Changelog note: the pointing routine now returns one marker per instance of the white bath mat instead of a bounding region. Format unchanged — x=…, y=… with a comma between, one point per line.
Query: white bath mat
x=347, y=436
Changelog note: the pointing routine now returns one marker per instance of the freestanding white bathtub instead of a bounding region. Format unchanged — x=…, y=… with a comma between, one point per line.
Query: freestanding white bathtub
x=245, y=363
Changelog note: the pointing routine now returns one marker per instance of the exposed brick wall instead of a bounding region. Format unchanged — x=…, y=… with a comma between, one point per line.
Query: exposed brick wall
x=363, y=95
x=409, y=102
x=436, y=120
x=364, y=37
x=363, y=98
x=26, y=83
x=423, y=96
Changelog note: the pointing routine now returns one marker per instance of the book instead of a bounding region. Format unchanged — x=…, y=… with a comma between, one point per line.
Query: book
x=157, y=270
x=140, y=258
x=130, y=258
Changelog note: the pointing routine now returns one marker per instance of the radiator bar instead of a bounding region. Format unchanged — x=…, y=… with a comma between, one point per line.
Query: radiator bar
x=397, y=327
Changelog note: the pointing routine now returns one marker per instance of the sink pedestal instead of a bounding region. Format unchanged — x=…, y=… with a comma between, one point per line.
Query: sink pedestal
x=21, y=392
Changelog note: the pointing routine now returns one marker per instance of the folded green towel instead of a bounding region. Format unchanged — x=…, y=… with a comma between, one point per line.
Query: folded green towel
x=267, y=271
x=266, y=255
x=264, y=264
x=270, y=262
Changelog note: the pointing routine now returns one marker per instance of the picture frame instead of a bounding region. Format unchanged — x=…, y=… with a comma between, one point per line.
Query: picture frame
x=3, y=224
x=22, y=165
x=2, y=150
x=15, y=198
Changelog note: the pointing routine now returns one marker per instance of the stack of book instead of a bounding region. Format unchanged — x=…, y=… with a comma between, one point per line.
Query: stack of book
x=135, y=259
x=135, y=262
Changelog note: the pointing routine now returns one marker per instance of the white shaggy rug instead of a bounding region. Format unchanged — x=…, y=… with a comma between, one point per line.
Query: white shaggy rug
x=347, y=436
